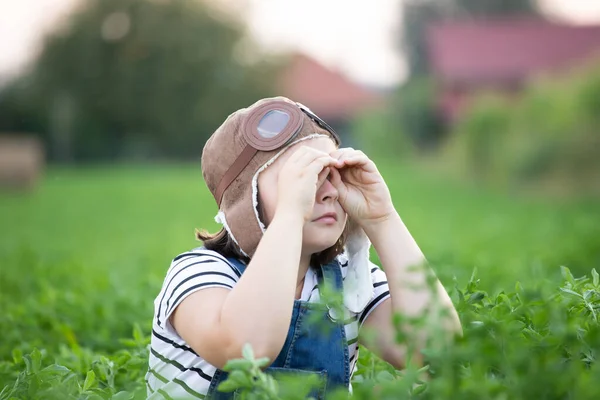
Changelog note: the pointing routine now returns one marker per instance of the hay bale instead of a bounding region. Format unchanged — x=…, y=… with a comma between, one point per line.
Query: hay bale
x=21, y=161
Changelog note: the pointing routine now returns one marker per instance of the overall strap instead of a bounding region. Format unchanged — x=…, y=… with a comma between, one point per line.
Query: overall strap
x=241, y=267
x=237, y=264
x=332, y=274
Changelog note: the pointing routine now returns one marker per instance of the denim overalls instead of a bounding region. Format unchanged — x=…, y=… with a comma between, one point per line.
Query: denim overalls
x=308, y=348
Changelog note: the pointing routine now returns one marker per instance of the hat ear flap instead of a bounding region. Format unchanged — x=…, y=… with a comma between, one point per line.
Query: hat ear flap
x=358, y=284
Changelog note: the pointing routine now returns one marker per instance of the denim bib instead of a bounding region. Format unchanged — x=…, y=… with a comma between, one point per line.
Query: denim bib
x=315, y=343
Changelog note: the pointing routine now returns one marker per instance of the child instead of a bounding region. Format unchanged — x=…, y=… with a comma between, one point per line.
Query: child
x=297, y=212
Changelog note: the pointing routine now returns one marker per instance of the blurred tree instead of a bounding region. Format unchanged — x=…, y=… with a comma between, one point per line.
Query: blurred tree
x=417, y=14
x=415, y=99
x=140, y=78
x=478, y=8
x=417, y=112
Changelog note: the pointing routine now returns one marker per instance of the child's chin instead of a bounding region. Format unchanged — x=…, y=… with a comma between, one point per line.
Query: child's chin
x=321, y=245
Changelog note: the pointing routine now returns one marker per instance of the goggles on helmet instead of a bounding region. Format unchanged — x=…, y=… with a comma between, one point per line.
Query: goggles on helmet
x=270, y=126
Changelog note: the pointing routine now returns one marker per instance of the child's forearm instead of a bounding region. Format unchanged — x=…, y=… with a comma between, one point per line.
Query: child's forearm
x=259, y=308
x=401, y=258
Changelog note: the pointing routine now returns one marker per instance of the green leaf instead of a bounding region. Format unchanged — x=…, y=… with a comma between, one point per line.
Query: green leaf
x=272, y=385
x=123, y=395
x=385, y=376
x=423, y=370
x=241, y=379
x=262, y=362
x=137, y=333
x=472, y=281
x=34, y=385
x=128, y=342
x=227, y=386
x=237, y=364
x=461, y=296
x=247, y=352
x=99, y=392
x=35, y=361
x=476, y=297
x=595, y=277
x=419, y=390
x=566, y=274
x=570, y=292
x=90, y=379
x=56, y=369
x=17, y=356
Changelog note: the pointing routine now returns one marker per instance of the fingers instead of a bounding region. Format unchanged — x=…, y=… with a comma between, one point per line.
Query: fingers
x=320, y=163
x=323, y=175
x=335, y=178
x=306, y=155
x=316, y=161
x=355, y=158
x=312, y=161
x=351, y=155
x=338, y=152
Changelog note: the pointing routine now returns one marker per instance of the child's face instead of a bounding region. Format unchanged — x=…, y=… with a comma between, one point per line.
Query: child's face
x=317, y=235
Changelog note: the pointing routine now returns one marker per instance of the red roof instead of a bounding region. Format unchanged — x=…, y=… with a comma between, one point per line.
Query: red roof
x=328, y=93
x=506, y=50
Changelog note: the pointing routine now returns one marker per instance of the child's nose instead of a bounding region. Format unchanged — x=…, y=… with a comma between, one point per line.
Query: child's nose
x=327, y=192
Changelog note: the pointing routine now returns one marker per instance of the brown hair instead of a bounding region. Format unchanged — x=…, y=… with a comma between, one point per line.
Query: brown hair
x=223, y=243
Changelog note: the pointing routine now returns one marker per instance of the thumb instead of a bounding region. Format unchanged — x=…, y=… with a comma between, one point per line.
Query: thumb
x=322, y=176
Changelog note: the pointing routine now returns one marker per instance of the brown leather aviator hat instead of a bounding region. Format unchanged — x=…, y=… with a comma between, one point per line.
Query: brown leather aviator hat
x=248, y=142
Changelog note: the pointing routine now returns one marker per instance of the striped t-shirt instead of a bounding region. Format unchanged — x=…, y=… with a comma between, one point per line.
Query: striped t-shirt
x=175, y=370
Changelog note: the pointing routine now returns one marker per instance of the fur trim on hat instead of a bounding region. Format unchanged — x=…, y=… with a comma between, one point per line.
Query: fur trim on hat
x=220, y=219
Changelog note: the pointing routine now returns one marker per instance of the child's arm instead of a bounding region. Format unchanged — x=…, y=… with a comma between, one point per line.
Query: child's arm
x=404, y=265
x=366, y=197
x=217, y=322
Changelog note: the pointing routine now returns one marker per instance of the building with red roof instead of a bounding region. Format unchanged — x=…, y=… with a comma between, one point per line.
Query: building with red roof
x=502, y=54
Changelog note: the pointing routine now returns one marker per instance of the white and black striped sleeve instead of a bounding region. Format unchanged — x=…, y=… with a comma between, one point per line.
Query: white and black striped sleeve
x=381, y=291
x=190, y=272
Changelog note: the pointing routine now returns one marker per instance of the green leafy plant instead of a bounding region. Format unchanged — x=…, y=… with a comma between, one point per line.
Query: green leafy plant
x=77, y=284
x=546, y=138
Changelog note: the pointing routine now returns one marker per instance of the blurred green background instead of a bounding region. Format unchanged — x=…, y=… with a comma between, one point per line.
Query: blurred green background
x=100, y=141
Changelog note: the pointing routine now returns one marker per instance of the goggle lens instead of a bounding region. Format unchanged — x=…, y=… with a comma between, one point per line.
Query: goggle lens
x=272, y=123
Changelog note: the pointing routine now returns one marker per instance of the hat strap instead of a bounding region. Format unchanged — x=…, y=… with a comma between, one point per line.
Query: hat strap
x=239, y=164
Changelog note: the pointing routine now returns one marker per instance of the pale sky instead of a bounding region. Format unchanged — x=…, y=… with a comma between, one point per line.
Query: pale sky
x=359, y=38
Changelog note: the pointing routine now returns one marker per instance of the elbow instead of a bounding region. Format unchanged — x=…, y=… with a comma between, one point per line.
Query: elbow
x=449, y=321
x=224, y=343
x=457, y=328
x=400, y=356
x=224, y=347
x=453, y=324
x=261, y=348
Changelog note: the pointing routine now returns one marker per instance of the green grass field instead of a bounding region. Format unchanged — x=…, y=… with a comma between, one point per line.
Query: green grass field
x=83, y=256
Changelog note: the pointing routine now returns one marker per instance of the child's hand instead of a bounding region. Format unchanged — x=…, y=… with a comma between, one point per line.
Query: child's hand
x=362, y=190
x=300, y=177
